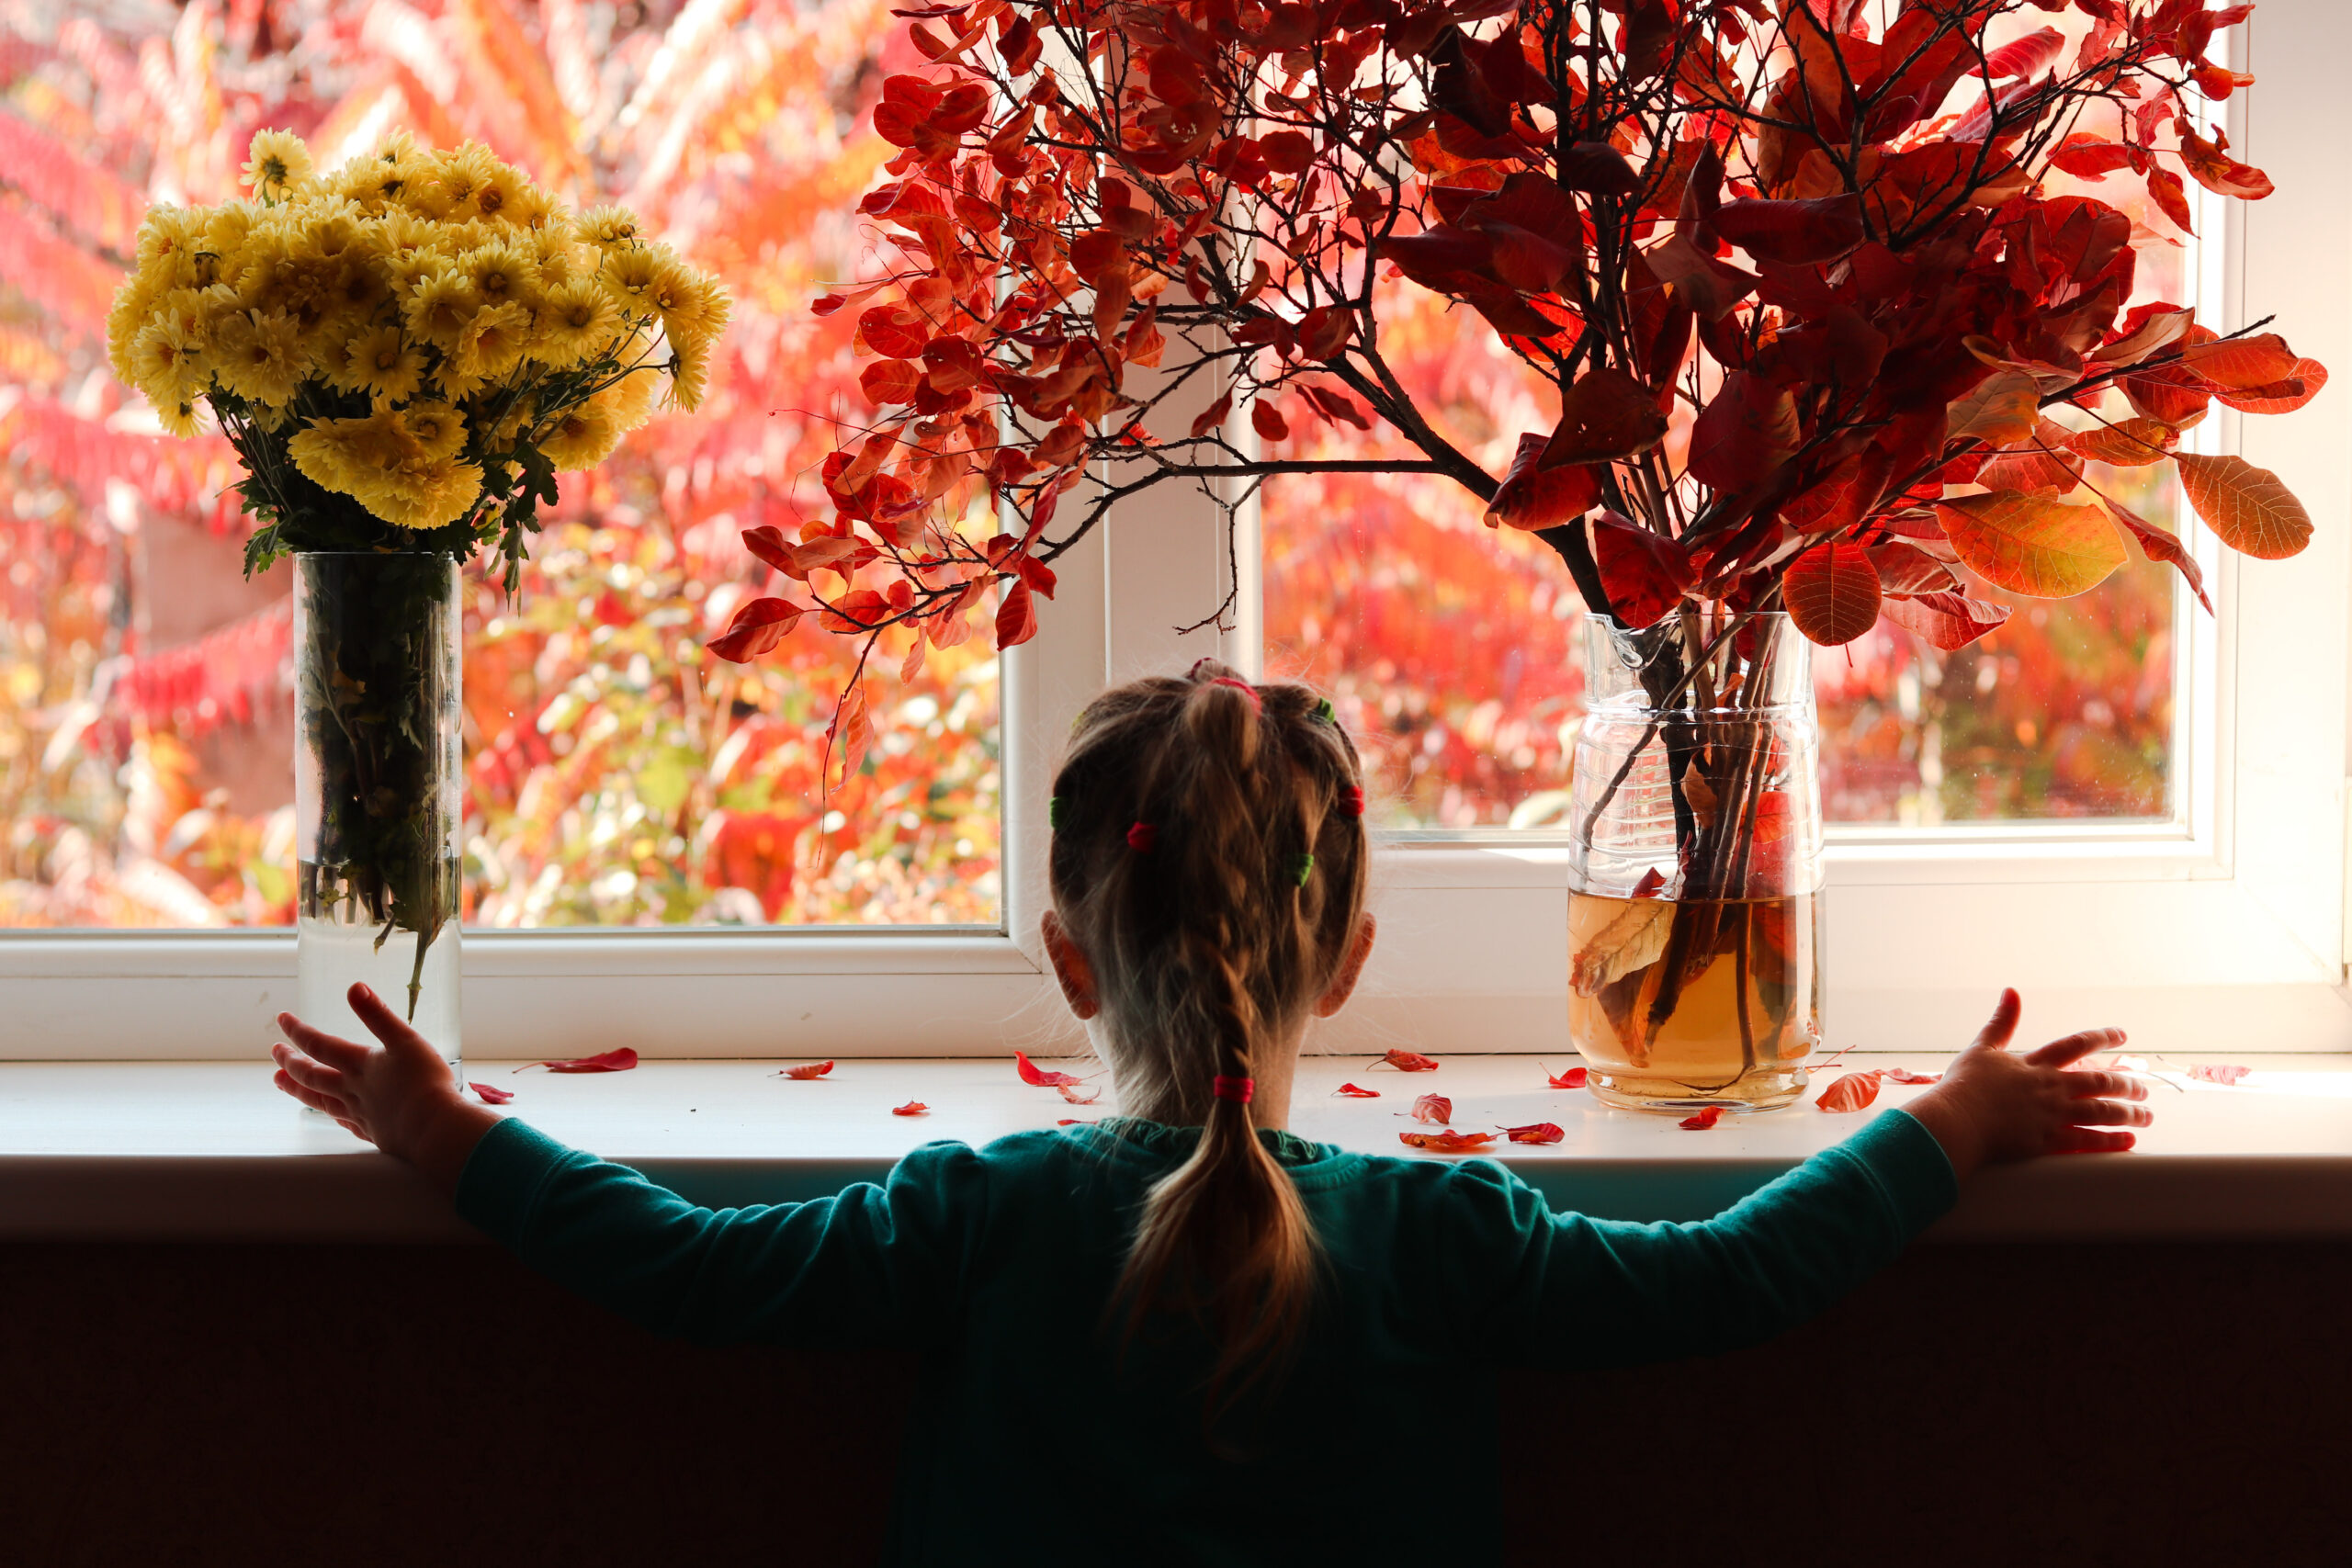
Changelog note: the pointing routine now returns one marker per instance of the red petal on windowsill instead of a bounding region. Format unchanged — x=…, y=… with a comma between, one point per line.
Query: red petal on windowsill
x=1433, y=1107
x=1449, y=1142
x=1410, y=1061
x=616, y=1061
x=1575, y=1078
x=1704, y=1119
x=912, y=1108
x=807, y=1070
x=1904, y=1075
x=1071, y=1094
x=1541, y=1133
x=1075, y=1122
x=1033, y=1074
x=2218, y=1072
x=1850, y=1092
x=491, y=1096
x=1353, y=1092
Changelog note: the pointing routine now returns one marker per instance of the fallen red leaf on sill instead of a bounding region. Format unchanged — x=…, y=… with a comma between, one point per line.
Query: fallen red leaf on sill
x=1075, y=1098
x=1575, y=1078
x=1904, y=1075
x=1850, y=1092
x=912, y=1108
x=2218, y=1072
x=1541, y=1133
x=1033, y=1074
x=1410, y=1061
x=1433, y=1107
x=1075, y=1122
x=1449, y=1142
x=491, y=1096
x=616, y=1061
x=1704, y=1119
x=807, y=1070
x=1353, y=1092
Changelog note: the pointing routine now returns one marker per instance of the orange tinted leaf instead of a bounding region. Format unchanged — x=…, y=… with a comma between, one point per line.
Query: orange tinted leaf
x=614, y=1061
x=1213, y=416
x=1533, y=496
x=1069, y=1092
x=2000, y=411
x=2134, y=443
x=807, y=1070
x=1850, y=1092
x=1033, y=1074
x=2171, y=198
x=2031, y=544
x=491, y=1096
x=1408, y=1062
x=756, y=628
x=1016, y=617
x=2284, y=396
x=2217, y=170
x=1945, y=621
x=1701, y=1121
x=1575, y=1078
x=1536, y=1133
x=2242, y=363
x=1645, y=574
x=890, y=382
x=2088, y=157
x=1905, y=569
x=1448, y=1142
x=2246, y=507
x=2158, y=544
x=912, y=1108
x=1832, y=592
x=1605, y=415
x=1353, y=1092
x=1433, y=1107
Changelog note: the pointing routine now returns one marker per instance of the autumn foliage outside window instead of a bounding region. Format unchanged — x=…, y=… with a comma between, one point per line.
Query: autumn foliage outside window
x=1819, y=329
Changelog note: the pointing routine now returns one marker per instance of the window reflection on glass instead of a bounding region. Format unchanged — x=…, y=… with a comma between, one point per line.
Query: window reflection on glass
x=619, y=776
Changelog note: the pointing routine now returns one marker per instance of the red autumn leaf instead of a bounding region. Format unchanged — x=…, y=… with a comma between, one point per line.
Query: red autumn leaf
x=1268, y=421
x=2283, y=396
x=1945, y=621
x=1793, y=232
x=2246, y=507
x=2218, y=1072
x=1448, y=1142
x=2088, y=157
x=2217, y=170
x=1433, y=1107
x=492, y=1096
x=1016, y=617
x=619, y=1060
x=807, y=1070
x=2242, y=363
x=1533, y=496
x=1747, y=429
x=2159, y=544
x=2130, y=444
x=2033, y=544
x=2025, y=56
x=890, y=382
x=1645, y=574
x=1850, y=1092
x=1033, y=1074
x=1070, y=1093
x=1408, y=1062
x=912, y=1108
x=1650, y=886
x=1212, y=417
x=1353, y=1092
x=1536, y=1133
x=1832, y=592
x=1904, y=1075
x=1907, y=570
x=757, y=628
x=1074, y=1122
x=1575, y=1078
x=1702, y=1120
x=2171, y=198
x=1605, y=415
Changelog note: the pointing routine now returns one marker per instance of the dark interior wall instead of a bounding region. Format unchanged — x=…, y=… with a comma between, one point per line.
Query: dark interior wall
x=2015, y=1406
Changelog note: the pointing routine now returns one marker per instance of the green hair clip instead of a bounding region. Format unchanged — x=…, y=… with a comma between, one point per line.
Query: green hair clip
x=1054, y=813
x=1324, y=713
x=1303, y=867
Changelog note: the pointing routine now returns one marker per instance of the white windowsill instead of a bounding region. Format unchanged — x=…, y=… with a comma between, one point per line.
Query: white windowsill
x=207, y=1151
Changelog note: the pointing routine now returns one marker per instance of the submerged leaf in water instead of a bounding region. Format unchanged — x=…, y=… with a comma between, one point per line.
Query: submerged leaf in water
x=1634, y=941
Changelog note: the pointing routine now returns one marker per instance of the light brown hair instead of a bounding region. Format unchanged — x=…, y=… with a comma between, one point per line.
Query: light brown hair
x=1211, y=937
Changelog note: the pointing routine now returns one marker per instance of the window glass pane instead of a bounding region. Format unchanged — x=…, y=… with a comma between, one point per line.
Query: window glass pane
x=1452, y=647
x=618, y=774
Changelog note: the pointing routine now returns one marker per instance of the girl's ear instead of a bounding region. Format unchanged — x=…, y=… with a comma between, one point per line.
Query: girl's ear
x=1070, y=967
x=1343, y=984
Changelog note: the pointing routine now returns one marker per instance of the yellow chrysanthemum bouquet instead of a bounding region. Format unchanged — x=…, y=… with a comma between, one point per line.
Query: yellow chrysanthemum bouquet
x=404, y=351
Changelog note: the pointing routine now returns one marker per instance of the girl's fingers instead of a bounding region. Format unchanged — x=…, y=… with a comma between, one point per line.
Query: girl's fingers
x=2074, y=1047
x=2090, y=1140
x=1996, y=1033
x=312, y=1098
x=334, y=1050
x=310, y=1073
x=2108, y=1113
x=2106, y=1085
x=383, y=1022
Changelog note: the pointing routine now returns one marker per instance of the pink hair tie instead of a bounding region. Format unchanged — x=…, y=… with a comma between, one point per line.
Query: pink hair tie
x=1141, y=836
x=1245, y=688
x=1238, y=1090
x=1352, y=801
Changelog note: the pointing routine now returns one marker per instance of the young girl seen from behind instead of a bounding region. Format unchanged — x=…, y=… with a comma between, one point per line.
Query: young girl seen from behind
x=1183, y=1335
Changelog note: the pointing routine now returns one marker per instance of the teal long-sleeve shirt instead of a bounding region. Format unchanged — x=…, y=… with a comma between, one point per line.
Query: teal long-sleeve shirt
x=1035, y=1440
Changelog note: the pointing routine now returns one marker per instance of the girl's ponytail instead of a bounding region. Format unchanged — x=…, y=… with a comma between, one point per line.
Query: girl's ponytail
x=1208, y=945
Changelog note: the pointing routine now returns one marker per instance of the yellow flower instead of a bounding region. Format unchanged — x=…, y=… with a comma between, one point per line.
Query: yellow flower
x=584, y=435
x=689, y=376
x=166, y=362
x=533, y=209
x=502, y=191
x=426, y=494
x=607, y=228
x=632, y=398
x=438, y=429
x=279, y=165
x=167, y=244
x=454, y=179
x=631, y=275
x=559, y=257
x=258, y=356
x=694, y=331
x=439, y=307
x=179, y=419
x=132, y=311
x=502, y=275
x=577, y=320
x=383, y=365
x=490, y=344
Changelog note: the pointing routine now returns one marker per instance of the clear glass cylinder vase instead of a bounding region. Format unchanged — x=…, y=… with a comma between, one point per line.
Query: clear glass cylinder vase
x=377, y=754
x=1694, y=891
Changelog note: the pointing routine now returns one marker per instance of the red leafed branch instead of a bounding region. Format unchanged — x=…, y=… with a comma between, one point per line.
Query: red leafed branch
x=224, y=677
x=189, y=478
x=1793, y=271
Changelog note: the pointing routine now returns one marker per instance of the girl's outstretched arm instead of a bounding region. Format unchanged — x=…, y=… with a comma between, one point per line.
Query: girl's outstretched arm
x=399, y=1097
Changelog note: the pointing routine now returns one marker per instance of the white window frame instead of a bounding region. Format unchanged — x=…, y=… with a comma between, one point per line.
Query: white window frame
x=2221, y=930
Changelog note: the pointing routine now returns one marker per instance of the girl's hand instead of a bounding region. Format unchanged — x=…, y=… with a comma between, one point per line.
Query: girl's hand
x=400, y=1096
x=1993, y=1106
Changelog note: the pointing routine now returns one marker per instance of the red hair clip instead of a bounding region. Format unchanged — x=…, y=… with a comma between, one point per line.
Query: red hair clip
x=1238, y=1090
x=1352, y=801
x=1257, y=704
x=1141, y=836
